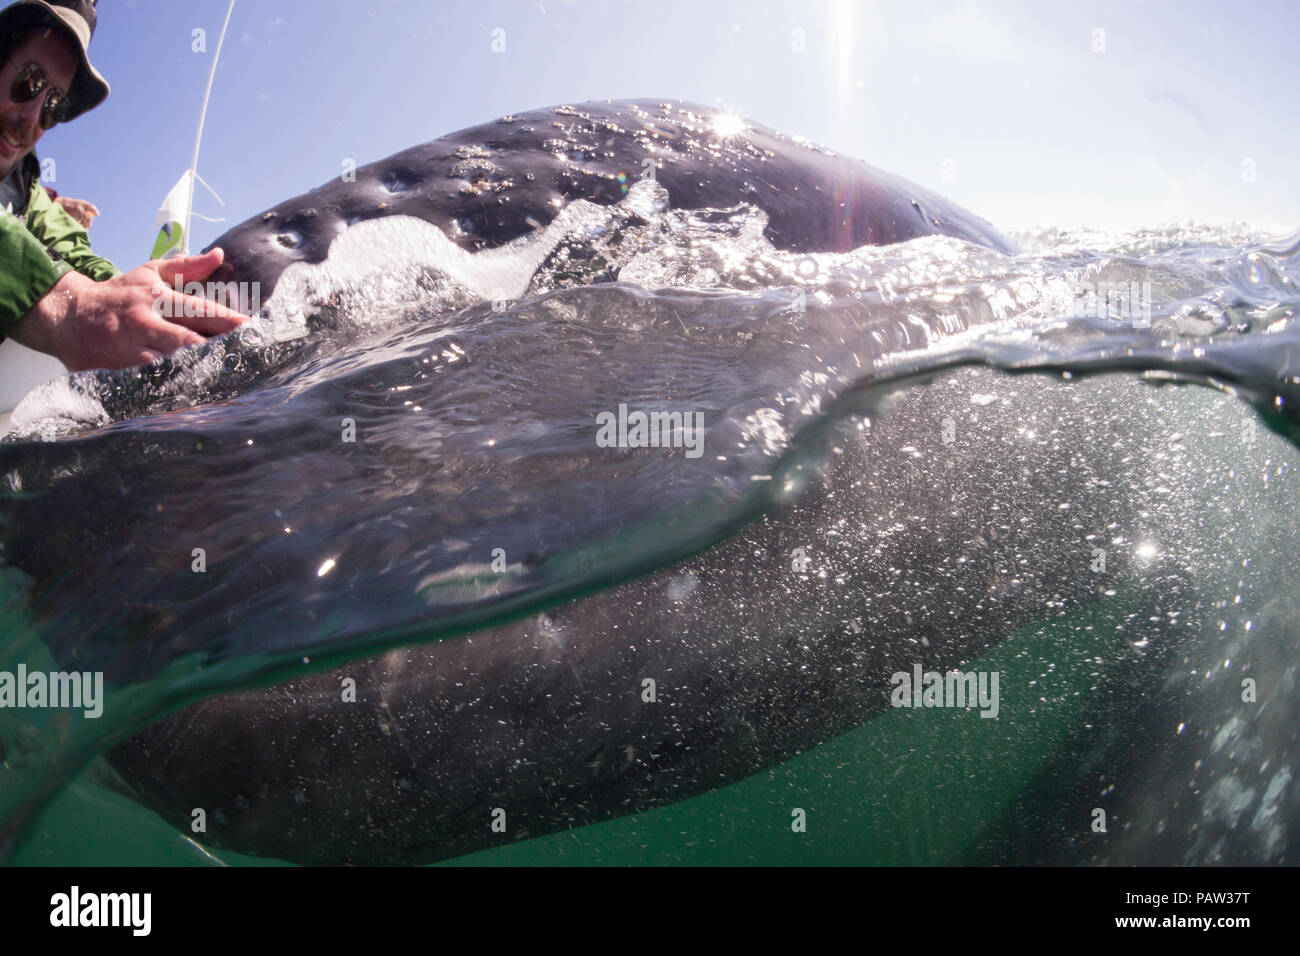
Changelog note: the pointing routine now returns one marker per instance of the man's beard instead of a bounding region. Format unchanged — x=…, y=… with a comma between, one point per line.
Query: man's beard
x=8, y=166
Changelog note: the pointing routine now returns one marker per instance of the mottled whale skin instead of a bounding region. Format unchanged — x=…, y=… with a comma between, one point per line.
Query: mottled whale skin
x=487, y=185
x=753, y=659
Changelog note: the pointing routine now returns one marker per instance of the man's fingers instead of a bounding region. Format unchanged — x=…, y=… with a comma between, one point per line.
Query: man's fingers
x=82, y=210
x=188, y=268
x=214, y=318
x=197, y=313
x=167, y=338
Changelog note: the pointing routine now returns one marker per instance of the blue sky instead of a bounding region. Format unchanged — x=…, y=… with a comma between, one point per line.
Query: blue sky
x=1021, y=111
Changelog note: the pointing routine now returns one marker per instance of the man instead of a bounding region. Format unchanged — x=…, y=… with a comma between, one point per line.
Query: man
x=56, y=295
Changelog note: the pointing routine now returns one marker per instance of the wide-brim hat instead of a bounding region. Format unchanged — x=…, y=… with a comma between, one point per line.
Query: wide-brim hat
x=76, y=18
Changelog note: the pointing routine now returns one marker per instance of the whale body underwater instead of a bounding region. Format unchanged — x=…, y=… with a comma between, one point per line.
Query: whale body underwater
x=730, y=660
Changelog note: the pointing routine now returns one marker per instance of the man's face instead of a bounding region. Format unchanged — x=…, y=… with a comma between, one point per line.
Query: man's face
x=20, y=123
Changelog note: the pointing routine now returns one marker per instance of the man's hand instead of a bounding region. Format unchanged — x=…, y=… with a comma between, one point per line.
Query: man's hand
x=118, y=323
x=81, y=210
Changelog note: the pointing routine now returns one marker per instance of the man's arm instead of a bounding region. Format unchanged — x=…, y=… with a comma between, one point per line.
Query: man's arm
x=27, y=271
x=55, y=228
x=127, y=320
x=58, y=297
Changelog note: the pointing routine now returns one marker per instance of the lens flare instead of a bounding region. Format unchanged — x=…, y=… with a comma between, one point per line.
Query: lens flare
x=727, y=124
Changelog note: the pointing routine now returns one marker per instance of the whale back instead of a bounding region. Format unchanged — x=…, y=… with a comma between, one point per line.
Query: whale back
x=487, y=185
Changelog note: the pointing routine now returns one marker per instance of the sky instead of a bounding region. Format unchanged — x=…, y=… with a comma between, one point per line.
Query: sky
x=1108, y=115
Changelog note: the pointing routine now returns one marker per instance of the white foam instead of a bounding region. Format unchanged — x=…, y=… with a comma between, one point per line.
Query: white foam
x=388, y=260
x=59, y=406
x=21, y=370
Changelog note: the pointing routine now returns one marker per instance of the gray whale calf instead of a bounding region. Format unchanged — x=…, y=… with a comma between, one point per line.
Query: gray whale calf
x=944, y=517
x=487, y=185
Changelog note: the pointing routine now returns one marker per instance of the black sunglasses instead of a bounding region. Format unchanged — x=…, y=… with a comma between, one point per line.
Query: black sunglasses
x=29, y=83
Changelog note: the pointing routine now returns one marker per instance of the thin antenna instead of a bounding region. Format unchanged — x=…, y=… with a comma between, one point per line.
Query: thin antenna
x=203, y=113
x=210, y=189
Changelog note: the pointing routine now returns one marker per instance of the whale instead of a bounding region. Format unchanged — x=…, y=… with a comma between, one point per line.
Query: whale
x=755, y=653
x=487, y=185
x=898, y=546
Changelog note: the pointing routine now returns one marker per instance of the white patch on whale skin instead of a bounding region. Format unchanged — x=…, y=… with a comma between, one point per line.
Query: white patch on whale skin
x=682, y=586
x=395, y=258
x=59, y=406
x=468, y=582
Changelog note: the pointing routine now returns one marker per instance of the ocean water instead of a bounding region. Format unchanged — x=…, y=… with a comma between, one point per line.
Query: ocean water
x=1074, y=467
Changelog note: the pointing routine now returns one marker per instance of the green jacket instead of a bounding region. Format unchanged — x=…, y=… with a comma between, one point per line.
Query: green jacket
x=40, y=248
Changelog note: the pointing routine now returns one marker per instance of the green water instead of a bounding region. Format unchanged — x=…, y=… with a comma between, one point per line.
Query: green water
x=913, y=786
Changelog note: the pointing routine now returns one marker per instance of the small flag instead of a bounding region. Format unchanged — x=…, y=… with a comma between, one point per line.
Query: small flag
x=170, y=217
